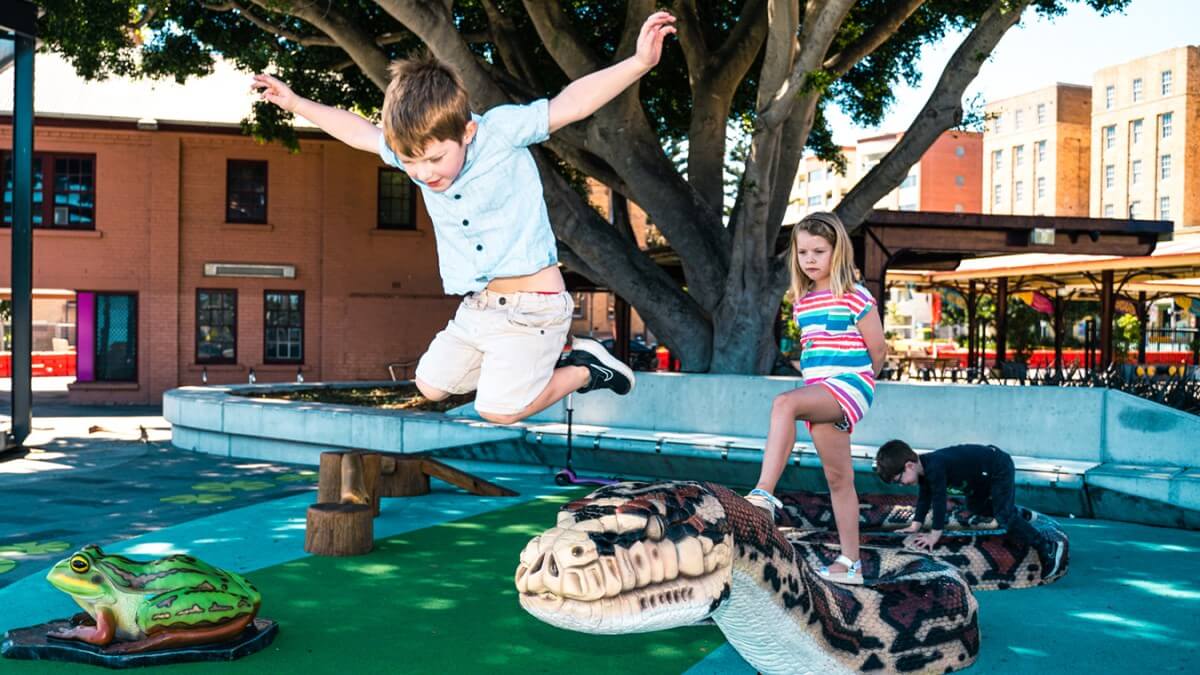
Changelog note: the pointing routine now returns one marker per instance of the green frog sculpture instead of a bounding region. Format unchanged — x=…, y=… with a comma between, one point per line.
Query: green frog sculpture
x=162, y=604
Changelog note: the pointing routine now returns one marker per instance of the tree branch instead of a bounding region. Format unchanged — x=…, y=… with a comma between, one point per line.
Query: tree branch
x=512, y=49
x=567, y=49
x=821, y=24
x=839, y=64
x=942, y=111
x=356, y=42
x=262, y=24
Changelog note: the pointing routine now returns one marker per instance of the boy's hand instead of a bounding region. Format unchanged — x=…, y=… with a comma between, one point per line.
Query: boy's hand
x=928, y=540
x=275, y=91
x=650, y=41
x=914, y=526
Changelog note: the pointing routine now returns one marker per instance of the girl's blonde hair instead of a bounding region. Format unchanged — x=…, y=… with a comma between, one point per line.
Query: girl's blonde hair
x=842, y=274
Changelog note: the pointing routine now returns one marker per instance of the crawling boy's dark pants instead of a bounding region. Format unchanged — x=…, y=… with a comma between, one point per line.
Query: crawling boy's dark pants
x=999, y=500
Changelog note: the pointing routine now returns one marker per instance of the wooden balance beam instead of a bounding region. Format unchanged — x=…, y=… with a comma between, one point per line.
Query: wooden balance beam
x=352, y=483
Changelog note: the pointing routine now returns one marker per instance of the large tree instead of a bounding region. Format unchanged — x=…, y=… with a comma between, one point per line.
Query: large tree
x=768, y=66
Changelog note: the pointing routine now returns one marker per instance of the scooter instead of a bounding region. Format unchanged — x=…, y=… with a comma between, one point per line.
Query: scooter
x=568, y=476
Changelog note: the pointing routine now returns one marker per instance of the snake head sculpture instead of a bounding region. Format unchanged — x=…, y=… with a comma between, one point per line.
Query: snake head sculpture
x=629, y=558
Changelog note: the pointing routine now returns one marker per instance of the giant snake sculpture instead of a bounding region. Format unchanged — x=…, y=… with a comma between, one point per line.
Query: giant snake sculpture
x=638, y=557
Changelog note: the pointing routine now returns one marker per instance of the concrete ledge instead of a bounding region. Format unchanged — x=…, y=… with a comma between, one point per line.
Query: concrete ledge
x=223, y=421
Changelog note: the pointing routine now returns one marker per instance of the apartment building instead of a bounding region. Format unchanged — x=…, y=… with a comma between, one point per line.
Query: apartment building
x=1037, y=149
x=1145, y=153
x=946, y=178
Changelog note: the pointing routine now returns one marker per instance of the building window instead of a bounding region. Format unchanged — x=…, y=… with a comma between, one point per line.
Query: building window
x=1041, y=113
x=997, y=194
x=106, y=325
x=1108, y=211
x=815, y=201
x=1041, y=187
x=1110, y=137
x=997, y=160
x=1110, y=175
x=999, y=123
x=1135, y=208
x=1164, y=167
x=1019, y=155
x=908, y=207
x=1110, y=97
x=1019, y=191
x=909, y=181
x=959, y=151
x=816, y=175
x=1041, y=151
x=1018, y=116
x=1137, y=89
x=960, y=181
x=283, y=327
x=67, y=202
x=1164, y=208
x=216, y=326
x=1135, y=131
x=1166, y=83
x=245, y=191
x=397, y=200
x=1135, y=171
x=1164, y=123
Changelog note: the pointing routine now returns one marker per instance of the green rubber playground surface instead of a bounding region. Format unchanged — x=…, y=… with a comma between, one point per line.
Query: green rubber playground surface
x=436, y=600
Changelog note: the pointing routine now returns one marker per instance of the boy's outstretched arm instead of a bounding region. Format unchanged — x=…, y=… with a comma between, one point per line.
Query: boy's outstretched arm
x=343, y=125
x=587, y=94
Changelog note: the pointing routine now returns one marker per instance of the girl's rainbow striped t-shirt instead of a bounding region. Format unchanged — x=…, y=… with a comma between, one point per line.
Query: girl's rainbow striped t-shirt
x=829, y=338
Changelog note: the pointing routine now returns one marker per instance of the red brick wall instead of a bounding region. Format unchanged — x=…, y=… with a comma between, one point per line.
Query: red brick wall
x=941, y=164
x=371, y=296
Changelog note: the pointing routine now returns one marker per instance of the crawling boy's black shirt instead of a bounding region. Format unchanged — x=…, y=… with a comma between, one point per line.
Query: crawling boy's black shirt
x=968, y=467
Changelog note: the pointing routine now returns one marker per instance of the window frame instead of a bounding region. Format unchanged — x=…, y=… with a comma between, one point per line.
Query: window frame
x=1166, y=122
x=1110, y=136
x=1136, y=128
x=1135, y=172
x=1110, y=176
x=46, y=209
x=1164, y=207
x=1018, y=155
x=135, y=322
x=229, y=164
x=1040, y=189
x=412, y=201
x=1109, y=211
x=1137, y=89
x=1041, y=113
x=222, y=360
x=1040, y=151
x=1164, y=167
x=1165, y=82
x=303, y=346
x=1110, y=96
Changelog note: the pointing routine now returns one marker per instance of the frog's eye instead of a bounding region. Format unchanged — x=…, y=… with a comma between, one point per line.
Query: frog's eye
x=80, y=564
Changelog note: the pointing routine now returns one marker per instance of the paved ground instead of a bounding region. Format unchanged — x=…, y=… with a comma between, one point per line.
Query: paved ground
x=1128, y=604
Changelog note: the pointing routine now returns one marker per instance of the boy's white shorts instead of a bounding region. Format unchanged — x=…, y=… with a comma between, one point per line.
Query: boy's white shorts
x=504, y=345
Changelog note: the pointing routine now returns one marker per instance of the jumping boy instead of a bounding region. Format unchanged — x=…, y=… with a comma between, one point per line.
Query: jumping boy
x=984, y=472
x=495, y=247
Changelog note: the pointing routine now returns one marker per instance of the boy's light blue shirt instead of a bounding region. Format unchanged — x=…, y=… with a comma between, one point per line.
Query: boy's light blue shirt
x=492, y=221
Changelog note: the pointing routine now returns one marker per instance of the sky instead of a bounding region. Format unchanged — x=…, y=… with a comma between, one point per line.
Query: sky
x=1039, y=52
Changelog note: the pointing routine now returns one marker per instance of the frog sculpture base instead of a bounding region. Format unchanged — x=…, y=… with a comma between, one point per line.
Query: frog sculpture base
x=33, y=643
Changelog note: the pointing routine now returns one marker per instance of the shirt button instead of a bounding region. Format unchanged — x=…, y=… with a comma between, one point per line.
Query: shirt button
x=466, y=222
x=458, y=196
x=503, y=301
x=478, y=247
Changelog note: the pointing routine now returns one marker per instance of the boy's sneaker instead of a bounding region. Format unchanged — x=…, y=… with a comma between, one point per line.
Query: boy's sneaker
x=1050, y=555
x=607, y=371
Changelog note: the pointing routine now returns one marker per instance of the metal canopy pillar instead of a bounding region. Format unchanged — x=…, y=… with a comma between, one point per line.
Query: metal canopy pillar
x=1106, y=319
x=972, y=330
x=1060, y=309
x=18, y=22
x=1001, y=324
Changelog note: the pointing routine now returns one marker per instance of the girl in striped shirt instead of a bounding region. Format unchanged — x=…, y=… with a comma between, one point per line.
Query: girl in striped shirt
x=843, y=348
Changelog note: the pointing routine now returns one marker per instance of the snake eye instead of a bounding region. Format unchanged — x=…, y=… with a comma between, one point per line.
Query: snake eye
x=80, y=564
x=656, y=528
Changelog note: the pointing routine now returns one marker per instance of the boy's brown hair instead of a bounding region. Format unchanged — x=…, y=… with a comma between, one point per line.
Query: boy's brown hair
x=891, y=458
x=425, y=101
